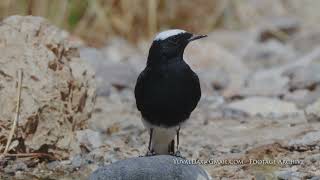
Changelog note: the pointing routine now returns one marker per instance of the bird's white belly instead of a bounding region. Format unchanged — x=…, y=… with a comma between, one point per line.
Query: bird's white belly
x=161, y=136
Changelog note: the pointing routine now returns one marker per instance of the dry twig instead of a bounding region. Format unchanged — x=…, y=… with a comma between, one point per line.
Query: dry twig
x=20, y=73
x=31, y=155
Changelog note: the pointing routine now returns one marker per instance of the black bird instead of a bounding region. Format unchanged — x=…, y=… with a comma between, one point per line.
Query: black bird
x=167, y=90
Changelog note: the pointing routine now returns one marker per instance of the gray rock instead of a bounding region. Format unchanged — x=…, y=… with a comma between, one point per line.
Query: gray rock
x=313, y=111
x=288, y=175
x=216, y=79
x=53, y=165
x=303, y=77
x=265, y=83
x=264, y=106
x=16, y=166
x=314, y=158
x=234, y=150
x=315, y=178
x=261, y=176
x=306, y=40
x=274, y=82
x=211, y=102
x=309, y=139
x=118, y=49
x=109, y=73
x=231, y=113
x=91, y=139
x=300, y=97
x=154, y=167
x=77, y=161
x=267, y=55
x=57, y=85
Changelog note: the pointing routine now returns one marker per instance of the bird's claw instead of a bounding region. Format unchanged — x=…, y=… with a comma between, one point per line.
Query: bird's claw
x=150, y=153
x=178, y=154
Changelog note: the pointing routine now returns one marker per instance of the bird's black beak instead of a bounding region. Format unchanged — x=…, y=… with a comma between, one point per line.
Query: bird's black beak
x=195, y=37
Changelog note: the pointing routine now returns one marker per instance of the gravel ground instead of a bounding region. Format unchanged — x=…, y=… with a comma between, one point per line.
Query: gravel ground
x=259, y=116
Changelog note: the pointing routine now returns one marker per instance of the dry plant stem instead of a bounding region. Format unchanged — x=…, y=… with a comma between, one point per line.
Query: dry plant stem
x=30, y=155
x=17, y=113
x=279, y=34
x=152, y=17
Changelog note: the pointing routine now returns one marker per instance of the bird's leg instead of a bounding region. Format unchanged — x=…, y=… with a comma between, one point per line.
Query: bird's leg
x=178, y=154
x=150, y=152
x=171, y=148
x=150, y=139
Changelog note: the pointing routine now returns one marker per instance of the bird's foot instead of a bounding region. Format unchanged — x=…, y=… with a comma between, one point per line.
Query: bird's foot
x=171, y=153
x=149, y=153
x=178, y=154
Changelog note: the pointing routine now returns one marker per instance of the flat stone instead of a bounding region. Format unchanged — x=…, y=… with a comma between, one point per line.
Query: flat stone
x=265, y=83
x=313, y=111
x=275, y=81
x=315, y=178
x=264, y=106
x=314, y=158
x=267, y=55
x=77, y=161
x=309, y=139
x=286, y=175
x=300, y=97
x=109, y=73
x=306, y=40
x=90, y=138
x=53, y=165
x=303, y=77
x=152, y=167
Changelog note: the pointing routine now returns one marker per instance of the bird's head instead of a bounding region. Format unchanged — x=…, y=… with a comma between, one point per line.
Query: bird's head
x=170, y=44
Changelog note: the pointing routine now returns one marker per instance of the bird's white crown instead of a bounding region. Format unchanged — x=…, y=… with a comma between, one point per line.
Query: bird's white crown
x=168, y=33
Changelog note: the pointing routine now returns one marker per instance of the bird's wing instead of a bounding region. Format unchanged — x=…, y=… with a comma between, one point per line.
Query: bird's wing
x=196, y=91
x=139, y=90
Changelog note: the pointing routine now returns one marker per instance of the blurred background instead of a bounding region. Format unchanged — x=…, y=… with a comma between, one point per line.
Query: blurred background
x=259, y=71
x=97, y=20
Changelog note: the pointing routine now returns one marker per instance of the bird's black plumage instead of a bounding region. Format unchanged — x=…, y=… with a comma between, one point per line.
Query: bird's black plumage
x=167, y=90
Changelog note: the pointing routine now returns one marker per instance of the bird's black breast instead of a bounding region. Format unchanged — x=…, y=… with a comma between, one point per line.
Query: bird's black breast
x=166, y=95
